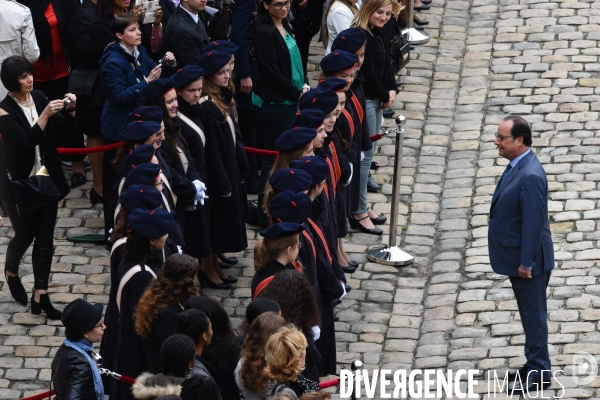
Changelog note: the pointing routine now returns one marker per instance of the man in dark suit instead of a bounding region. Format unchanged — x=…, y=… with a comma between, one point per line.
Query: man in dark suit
x=520, y=245
x=185, y=35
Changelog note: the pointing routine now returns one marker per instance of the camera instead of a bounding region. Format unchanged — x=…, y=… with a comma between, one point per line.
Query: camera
x=66, y=102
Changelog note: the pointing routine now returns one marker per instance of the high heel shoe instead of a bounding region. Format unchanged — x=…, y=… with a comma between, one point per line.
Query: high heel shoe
x=355, y=224
x=204, y=280
x=45, y=305
x=95, y=197
x=16, y=288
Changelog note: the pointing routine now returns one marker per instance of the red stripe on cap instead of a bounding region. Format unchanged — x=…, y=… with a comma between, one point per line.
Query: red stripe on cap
x=315, y=99
x=279, y=220
x=209, y=54
x=292, y=172
x=179, y=70
x=293, y=203
x=165, y=93
x=152, y=212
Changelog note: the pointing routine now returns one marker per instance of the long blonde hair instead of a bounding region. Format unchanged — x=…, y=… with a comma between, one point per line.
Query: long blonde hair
x=347, y=3
x=361, y=19
x=282, y=351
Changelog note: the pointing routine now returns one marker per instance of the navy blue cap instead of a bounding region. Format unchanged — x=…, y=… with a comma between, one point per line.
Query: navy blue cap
x=143, y=174
x=308, y=118
x=146, y=113
x=338, y=60
x=283, y=229
x=156, y=89
x=224, y=46
x=187, y=74
x=295, y=180
x=137, y=156
x=294, y=138
x=151, y=224
x=349, y=40
x=320, y=98
x=316, y=166
x=290, y=207
x=213, y=61
x=140, y=196
x=139, y=130
x=335, y=84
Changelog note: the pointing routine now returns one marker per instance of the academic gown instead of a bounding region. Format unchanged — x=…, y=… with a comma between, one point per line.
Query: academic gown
x=225, y=160
x=342, y=130
x=330, y=289
x=362, y=139
x=180, y=178
x=111, y=317
x=272, y=268
x=171, y=196
x=129, y=355
x=197, y=222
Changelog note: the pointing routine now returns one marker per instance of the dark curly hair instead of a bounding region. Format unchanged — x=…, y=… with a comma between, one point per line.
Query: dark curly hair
x=200, y=388
x=294, y=294
x=253, y=350
x=223, y=352
x=174, y=285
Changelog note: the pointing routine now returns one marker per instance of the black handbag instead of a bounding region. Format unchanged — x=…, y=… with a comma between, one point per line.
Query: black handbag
x=219, y=24
x=35, y=191
x=81, y=82
x=400, y=52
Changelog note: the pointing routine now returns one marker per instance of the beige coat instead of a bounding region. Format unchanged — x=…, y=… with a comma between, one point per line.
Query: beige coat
x=17, y=36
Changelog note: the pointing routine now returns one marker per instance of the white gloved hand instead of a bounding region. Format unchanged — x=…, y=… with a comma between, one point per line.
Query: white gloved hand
x=227, y=195
x=200, y=191
x=351, y=174
x=344, y=289
x=179, y=249
x=316, y=331
x=362, y=155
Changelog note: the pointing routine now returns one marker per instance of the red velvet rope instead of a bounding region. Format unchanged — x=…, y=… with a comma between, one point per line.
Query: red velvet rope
x=40, y=396
x=328, y=384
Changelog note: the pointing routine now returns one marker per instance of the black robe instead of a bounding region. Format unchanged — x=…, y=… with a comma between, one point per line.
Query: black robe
x=197, y=223
x=171, y=196
x=225, y=160
x=129, y=353
x=272, y=268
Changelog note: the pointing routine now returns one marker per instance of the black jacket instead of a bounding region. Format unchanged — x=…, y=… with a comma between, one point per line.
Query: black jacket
x=18, y=145
x=84, y=52
x=185, y=38
x=373, y=69
x=72, y=375
x=274, y=81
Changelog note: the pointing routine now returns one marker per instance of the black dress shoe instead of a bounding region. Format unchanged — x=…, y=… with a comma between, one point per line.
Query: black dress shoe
x=423, y=7
x=348, y=288
x=527, y=386
x=16, y=289
x=421, y=21
x=228, y=260
x=374, y=165
x=353, y=263
x=205, y=281
x=355, y=224
x=230, y=279
x=388, y=113
x=349, y=269
x=77, y=179
x=512, y=374
x=380, y=220
x=372, y=186
x=335, y=319
x=426, y=1
x=95, y=197
x=419, y=28
x=224, y=265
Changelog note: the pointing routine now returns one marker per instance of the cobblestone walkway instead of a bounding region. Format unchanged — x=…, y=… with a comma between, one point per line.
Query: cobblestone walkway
x=486, y=59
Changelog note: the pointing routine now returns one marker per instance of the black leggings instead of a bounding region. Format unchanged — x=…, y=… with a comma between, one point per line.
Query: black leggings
x=38, y=225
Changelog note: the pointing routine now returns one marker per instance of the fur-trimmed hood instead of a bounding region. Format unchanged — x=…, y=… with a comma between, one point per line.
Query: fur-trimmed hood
x=148, y=386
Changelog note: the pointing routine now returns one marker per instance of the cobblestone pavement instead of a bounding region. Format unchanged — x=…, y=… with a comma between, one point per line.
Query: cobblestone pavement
x=486, y=59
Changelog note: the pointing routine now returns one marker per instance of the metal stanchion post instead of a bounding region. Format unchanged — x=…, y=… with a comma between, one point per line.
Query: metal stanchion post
x=391, y=254
x=414, y=36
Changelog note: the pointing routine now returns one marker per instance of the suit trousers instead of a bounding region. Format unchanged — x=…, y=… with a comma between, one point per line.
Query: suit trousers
x=37, y=225
x=533, y=309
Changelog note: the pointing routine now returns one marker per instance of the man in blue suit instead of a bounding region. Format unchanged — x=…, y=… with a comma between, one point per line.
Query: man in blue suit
x=520, y=245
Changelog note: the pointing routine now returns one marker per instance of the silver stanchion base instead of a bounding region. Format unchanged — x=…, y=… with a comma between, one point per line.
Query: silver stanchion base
x=386, y=255
x=416, y=37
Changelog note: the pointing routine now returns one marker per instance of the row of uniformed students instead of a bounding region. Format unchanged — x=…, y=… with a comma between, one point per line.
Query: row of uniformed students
x=314, y=186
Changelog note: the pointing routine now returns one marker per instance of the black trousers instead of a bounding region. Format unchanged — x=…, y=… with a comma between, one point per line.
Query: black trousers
x=55, y=90
x=39, y=226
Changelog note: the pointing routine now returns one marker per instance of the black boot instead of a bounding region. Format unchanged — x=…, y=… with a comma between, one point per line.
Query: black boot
x=44, y=305
x=16, y=289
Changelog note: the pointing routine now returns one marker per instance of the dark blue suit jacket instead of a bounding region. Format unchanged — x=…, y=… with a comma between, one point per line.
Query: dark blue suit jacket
x=519, y=230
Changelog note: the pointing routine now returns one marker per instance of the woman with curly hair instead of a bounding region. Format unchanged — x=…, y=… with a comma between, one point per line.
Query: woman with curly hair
x=294, y=294
x=156, y=313
x=285, y=356
x=223, y=353
x=248, y=373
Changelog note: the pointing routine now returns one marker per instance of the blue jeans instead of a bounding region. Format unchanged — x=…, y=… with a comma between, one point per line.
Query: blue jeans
x=374, y=121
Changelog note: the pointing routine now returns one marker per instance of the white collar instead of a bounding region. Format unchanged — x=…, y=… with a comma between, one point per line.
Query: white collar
x=194, y=16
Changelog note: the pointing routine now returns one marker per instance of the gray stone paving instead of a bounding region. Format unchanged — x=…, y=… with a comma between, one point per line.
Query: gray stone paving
x=486, y=59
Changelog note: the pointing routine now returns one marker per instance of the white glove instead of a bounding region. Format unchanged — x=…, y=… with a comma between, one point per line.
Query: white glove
x=351, y=174
x=227, y=195
x=191, y=207
x=200, y=186
x=316, y=332
x=179, y=249
x=200, y=192
x=344, y=289
x=362, y=155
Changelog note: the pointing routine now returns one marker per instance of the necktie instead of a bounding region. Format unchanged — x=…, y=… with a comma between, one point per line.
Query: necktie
x=504, y=174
